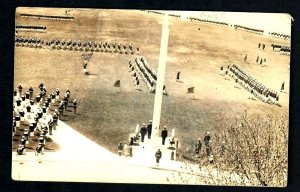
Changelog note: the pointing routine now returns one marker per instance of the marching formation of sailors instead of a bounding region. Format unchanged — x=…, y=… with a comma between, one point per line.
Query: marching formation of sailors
x=252, y=85
x=76, y=45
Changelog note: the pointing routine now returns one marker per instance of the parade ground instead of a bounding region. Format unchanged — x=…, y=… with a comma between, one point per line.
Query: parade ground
x=107, y=115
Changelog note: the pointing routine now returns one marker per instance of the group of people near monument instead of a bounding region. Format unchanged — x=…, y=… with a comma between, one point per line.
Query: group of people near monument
x=206, y=146
x=137, y=138
x=256, y=88
x=34, y=114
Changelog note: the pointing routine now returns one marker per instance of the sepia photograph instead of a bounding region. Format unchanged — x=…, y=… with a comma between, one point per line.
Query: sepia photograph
x=151, y=96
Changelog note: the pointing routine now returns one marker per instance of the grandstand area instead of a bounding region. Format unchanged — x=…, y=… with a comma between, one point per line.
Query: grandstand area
x=107, y=114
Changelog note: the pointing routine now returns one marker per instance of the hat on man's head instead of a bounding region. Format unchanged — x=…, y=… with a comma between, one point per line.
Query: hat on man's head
x=150, y=121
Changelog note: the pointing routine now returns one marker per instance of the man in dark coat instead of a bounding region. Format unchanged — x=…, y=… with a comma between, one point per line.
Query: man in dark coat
x=120, y=148
x=198, y=147
x=245, y=58
x=50, y=124
x=164, y=135
x=158, y=156
x=149, y=129
x=282, y=87
x=143, y=131
x=178, y=76
x=207, y=138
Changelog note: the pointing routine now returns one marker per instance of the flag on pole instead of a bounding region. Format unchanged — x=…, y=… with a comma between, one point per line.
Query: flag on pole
x=117, y=83
x=86, y=56
x=190, y=90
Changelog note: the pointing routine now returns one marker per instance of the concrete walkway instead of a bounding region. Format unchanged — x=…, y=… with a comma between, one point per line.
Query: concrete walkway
x=80, y=159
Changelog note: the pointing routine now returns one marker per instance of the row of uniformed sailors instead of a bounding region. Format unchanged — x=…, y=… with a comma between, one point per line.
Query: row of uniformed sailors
x=49, y=17
x=92, y=46
x=208, y=21
x=76, y=45
x=29, y=42
x=147, y=77
x=31, y=28
x=281, y=48
x=259, y=31
x=149, y=69
x=253, y=86
x=279, y=35
x=135, y=73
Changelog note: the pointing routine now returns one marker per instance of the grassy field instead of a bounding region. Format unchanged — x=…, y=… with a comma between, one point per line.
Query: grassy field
x=196, y=49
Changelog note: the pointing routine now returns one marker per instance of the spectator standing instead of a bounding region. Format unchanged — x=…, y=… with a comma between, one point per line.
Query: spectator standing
x=178, y=76
x=198, y=147
x=282, y=87
x=120, y=148
x=158, y=156
x=207, y=138
x=149, y=129
x=164, y=135
x=20, y=90
x=143, y=131
x=74, y=105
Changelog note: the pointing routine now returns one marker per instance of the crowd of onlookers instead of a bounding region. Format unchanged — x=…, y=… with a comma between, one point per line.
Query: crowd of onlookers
x=50, y=17
x=33, y=113
x=256, y=88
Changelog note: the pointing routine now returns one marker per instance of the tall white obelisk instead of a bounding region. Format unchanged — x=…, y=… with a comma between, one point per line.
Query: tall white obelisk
x=160, y=77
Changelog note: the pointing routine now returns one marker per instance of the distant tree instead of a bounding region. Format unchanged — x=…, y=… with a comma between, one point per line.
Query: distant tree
x=252, y=151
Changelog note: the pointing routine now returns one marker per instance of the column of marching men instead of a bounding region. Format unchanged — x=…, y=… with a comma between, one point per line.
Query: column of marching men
x=49, y=17
x=77, y=45
x=279, y=35
x=30, y=28
x=259, y=90
x=35, y=111
x=141, y=69
x=283, y=50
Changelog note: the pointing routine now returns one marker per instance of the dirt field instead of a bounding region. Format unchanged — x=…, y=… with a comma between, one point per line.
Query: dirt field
x=196, y=49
